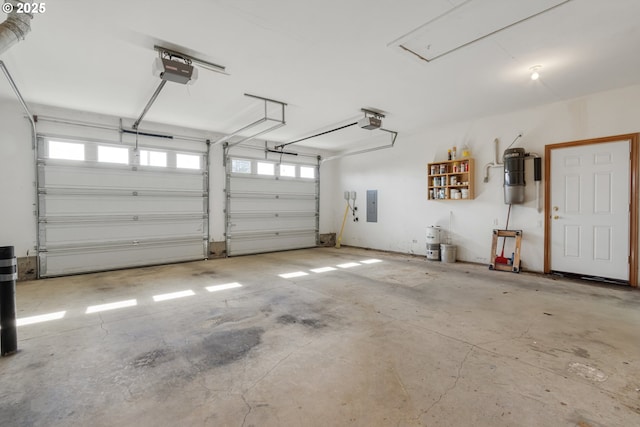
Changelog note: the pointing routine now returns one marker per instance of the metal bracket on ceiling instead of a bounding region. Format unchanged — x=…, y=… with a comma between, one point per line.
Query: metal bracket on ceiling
x=278, y=123
x=373, y=112
x=170, y=55
x=188, y=59
x=281, y=146
x=378, y=114
x=191, y=59
x=394, y=136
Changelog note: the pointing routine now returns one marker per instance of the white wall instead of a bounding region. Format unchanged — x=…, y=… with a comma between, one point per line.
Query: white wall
x=17, y=169
x=399, y=175
x=17, y=178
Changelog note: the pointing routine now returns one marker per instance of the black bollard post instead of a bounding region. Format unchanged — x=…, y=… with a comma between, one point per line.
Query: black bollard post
x=8, y=277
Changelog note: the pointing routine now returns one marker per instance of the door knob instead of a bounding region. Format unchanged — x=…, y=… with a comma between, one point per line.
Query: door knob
x=556, y=217
x=555, y=208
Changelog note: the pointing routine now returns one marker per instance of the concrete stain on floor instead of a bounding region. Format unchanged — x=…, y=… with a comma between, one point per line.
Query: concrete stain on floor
x=288, y=319
x=224, y=347
x=402, y=342
x=151, y=359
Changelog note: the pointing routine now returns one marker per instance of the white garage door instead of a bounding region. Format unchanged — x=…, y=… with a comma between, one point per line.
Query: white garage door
x=271, y=206
x=107, y=206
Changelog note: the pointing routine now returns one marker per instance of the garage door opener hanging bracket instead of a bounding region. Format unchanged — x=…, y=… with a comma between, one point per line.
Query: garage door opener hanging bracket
x=278, y=124
x=172, y=66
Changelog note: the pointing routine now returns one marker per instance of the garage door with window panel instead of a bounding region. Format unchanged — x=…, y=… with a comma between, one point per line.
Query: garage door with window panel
x=108, y=206
x=271, y=206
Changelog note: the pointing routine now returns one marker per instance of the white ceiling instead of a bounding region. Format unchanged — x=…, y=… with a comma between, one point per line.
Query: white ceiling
x=325, y=59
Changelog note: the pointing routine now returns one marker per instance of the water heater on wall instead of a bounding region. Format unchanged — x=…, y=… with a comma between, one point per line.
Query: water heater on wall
x=514, y=183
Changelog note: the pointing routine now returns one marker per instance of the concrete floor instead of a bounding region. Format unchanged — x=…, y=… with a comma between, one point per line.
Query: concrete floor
x=402, y=342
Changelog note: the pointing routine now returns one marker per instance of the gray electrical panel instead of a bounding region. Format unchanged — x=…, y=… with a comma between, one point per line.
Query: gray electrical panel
x=372, y=205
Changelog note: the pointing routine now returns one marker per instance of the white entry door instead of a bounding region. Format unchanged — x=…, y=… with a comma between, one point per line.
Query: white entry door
x=590, y=209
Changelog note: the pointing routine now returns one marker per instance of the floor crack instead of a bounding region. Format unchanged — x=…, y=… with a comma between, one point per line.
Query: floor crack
x=106, y=331
x=455, y=383
x=129, y=399
x=270, y=370
x=522, y=335
x=278, y=364
x=404, y=390
x=526, y=331
x=244, y=420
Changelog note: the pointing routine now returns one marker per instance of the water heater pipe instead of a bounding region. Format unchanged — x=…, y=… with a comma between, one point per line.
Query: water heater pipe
x=496, y=163
x=537, y=175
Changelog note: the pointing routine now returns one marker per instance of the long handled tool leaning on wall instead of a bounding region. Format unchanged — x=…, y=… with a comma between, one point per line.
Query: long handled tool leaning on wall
x=347, y=196
x=501, y=258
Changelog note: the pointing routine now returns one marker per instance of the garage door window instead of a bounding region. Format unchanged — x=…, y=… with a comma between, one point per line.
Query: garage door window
x=108, y=154
x=96, y=212
x=288, y=170
x=240, y=166
x=153, y=158
x=266, y=168
x=66, y=150
x=273, y=208
x=307, y=172
x=187, y=161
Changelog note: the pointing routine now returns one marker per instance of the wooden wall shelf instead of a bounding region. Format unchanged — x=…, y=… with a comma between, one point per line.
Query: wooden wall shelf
x=451, y=180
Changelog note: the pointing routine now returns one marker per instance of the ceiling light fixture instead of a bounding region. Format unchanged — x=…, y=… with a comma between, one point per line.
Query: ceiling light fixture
x=535, y=75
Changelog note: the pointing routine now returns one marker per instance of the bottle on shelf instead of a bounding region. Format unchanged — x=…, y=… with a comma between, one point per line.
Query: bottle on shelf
x=453, y=153
x=466, y=153
x=449, y=155
x=451, y=179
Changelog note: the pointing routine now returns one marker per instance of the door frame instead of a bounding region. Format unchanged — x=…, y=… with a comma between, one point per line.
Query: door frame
x=633, y=139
